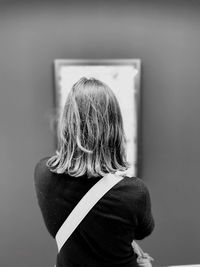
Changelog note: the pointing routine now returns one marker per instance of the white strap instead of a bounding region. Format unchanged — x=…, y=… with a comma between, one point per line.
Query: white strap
x=84, y=206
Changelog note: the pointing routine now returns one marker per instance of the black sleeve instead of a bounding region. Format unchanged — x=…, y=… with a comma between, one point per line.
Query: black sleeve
x=41, y=180
x=144, y=217
x=43, y=190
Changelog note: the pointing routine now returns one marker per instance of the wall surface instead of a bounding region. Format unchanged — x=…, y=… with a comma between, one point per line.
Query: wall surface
x=165, y=35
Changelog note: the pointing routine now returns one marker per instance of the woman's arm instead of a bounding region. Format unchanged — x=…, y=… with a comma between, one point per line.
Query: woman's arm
x=144, y=217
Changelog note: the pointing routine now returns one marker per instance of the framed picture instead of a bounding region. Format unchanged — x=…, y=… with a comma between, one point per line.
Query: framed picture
x=122, y=76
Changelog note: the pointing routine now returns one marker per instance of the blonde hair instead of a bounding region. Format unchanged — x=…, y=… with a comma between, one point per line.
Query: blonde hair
x=91, y=137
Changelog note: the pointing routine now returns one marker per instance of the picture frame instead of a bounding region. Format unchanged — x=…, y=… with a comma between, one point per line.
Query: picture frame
x=123, y=76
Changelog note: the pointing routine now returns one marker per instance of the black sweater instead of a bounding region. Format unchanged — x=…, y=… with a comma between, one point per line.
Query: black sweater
x=103, y=238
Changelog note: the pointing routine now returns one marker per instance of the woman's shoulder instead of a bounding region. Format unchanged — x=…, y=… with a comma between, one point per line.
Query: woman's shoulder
x=42, y=173
x=132, y=181
x=135, y=187
x=41, y=166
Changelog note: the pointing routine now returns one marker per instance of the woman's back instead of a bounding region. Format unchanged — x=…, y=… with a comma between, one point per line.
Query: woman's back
x=104, y=236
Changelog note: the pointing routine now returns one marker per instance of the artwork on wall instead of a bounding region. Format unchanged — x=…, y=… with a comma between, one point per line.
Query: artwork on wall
x=122, y=76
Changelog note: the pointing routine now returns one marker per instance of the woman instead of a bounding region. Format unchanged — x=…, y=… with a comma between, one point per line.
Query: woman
x=91, y=143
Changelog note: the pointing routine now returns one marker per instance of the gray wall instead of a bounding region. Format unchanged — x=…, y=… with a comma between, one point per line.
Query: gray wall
x=166, y=37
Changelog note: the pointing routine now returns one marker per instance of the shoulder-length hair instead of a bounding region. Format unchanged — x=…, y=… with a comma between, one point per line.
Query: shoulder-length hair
x=91, y=138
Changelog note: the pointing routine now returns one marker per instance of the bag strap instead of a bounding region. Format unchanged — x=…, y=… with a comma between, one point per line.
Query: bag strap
x=84, y=206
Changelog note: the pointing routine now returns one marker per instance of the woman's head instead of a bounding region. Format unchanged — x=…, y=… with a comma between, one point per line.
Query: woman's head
x=91, y=137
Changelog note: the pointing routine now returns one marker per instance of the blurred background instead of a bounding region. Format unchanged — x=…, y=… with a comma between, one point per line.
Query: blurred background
x=165, y=36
